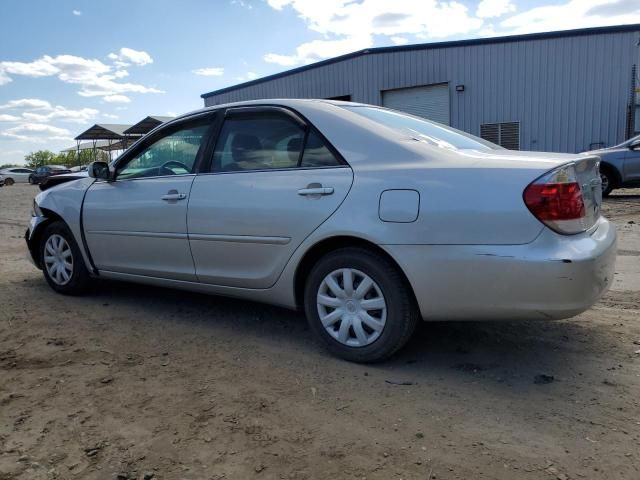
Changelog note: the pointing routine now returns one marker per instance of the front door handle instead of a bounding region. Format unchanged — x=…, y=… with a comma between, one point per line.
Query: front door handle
x=316, y=191
x=173, y=195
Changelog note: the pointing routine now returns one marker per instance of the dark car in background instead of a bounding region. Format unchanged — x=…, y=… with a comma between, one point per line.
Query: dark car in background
x=54, y=180
x=620, y=165
x=41, y=174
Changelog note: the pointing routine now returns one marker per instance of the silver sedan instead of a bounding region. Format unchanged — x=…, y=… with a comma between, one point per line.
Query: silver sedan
x=367, y=218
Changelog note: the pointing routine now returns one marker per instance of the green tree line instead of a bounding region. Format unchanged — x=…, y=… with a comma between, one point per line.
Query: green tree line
x=67, y=159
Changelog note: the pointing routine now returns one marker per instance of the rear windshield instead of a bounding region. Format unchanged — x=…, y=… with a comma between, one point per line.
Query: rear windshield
x=424, y=130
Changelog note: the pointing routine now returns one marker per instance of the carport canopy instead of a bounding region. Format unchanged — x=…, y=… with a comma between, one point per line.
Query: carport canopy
x=99, y=144
x=104, y=131
x=146, y=125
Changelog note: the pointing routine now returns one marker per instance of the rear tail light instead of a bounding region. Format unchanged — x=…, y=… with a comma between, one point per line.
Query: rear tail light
x=556, y=200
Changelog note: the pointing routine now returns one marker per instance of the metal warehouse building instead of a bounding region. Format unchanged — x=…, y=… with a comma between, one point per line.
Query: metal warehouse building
x=566, y=91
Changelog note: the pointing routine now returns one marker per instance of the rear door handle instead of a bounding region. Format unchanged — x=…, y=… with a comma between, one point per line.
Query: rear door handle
x=174, y=196
x=316, y=191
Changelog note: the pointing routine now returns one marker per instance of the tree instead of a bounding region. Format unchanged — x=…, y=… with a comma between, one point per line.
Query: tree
x=39, y=158
x=68, y=159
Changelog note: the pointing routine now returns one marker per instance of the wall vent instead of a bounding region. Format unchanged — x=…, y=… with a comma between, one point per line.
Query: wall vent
x=505, y=134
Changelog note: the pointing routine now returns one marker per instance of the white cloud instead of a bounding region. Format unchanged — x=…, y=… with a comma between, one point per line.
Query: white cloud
x=77, y=13
x=27, y=104
x=284, y=60
x=209, y=71
x=36, y=132
x=242, y=3
x=127, y=56
x=58, y=112
x=494, y=8
x=573, y=14
x=94, y=77
x=117, y=99
x=41, y=111
x=399, y=40
x=110, y=116
x=42, y=67
x=348, y=26
x=319, y=49
x=247, y=77
x=4, y=78
x=8, y=118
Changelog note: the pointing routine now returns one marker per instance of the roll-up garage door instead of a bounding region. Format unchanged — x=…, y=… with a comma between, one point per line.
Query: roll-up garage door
x=428, y=101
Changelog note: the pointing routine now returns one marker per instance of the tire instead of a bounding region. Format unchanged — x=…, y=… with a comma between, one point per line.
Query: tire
x=609, y=181
x=31, y=182
x=78, y=279
x=8, y=182
x=394, y=324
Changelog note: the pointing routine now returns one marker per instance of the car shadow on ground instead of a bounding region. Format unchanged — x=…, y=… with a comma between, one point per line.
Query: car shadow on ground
x=496, y=353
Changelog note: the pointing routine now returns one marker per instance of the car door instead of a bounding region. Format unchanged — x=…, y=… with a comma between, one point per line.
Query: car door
x=19, y=175
x=273, y=179
x=41, y=174
x=137, y=224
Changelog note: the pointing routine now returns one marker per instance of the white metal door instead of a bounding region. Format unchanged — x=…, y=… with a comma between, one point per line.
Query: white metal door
x=428, y=101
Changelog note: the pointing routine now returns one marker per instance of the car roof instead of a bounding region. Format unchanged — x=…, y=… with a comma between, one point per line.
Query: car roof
x=284, y=102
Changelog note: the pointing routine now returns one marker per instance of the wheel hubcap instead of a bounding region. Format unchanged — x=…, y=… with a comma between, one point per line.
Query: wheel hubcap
x=605, y=182
x=58, y=259
x=351, y=307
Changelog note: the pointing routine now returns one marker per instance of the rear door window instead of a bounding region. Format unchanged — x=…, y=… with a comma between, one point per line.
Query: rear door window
x=269, y=141
x=258, y=141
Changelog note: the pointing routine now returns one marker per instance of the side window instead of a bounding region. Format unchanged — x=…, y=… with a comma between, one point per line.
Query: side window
x=173, y=154
x=316, y=153
x=258, y=141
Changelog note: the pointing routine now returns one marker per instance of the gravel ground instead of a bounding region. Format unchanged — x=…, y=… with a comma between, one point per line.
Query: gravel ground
x=134, y=382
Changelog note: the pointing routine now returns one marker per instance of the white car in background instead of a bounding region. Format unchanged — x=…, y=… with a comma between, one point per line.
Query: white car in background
x=16, y=175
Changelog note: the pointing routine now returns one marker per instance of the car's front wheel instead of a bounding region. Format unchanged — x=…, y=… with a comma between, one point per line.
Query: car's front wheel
x=359, y=304
x=62, y=263
x=8, y=182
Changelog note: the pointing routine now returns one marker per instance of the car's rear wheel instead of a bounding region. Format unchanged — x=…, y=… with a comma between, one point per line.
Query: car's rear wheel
x=62, y=263
x=8, y=182
x=359, y=304
x=608, y=180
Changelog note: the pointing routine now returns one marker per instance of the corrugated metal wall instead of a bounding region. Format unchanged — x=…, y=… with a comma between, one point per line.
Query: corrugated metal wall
x=567, y=93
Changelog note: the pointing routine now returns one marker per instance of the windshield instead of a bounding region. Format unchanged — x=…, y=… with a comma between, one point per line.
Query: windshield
x=424, y=130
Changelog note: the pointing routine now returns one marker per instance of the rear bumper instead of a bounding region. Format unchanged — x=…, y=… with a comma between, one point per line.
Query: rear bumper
x=553, y=277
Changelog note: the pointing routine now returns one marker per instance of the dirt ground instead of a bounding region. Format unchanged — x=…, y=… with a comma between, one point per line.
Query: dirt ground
x=136, y=382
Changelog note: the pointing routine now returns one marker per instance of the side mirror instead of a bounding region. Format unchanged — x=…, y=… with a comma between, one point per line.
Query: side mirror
x=99, y=170
x=635, y=145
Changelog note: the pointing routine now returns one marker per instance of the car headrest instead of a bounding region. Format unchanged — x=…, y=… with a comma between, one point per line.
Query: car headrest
x=244, y=147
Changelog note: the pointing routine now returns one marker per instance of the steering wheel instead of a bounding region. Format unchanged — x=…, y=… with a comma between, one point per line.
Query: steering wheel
x=166, y=166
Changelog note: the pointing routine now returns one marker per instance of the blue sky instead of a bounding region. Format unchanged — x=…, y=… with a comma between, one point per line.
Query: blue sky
x=66, y=64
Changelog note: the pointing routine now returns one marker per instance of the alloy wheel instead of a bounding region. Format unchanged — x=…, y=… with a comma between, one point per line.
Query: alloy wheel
x=352, y=307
